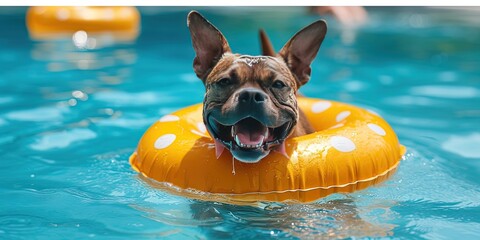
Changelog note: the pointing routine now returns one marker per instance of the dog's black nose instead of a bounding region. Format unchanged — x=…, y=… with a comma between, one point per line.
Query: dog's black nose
x=252, y=96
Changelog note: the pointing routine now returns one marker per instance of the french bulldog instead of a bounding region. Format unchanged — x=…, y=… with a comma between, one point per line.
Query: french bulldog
x=250, y=104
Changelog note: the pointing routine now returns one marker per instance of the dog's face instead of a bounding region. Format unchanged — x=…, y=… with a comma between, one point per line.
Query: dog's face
x=250, y=102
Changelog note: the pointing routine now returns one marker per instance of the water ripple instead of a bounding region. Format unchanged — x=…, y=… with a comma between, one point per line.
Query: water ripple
x=130, y=99
x=440, y=91
x=38, y=114
x=464, y=145
x=14, y=224
x=62, y=139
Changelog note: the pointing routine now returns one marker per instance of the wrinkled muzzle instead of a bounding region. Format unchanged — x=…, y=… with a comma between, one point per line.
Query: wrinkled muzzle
x=249, y=130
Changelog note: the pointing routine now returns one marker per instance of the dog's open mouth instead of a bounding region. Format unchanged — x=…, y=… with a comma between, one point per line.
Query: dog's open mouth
x=249, y=133
x=249, y=140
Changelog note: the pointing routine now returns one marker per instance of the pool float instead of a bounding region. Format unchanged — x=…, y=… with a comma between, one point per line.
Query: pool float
x=52, y=22
x=351, y=149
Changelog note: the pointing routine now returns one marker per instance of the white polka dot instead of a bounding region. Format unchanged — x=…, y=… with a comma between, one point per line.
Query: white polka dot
x=201, y=127
x=40, y=10
x=201, y=130
x=63, y=14
x=321, y=106
x=125, y=12
x=108, y=14
x=341, y=116
x=342, y=144
x=377, y=129
x=169, y=118
x=164, y=141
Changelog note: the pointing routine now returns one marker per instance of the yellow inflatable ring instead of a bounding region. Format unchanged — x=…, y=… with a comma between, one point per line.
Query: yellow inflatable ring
x=51, y=22
x=351, y=149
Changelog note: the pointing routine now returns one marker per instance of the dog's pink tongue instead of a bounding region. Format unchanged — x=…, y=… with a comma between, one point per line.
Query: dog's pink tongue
x=250, y=135
x=218, y=148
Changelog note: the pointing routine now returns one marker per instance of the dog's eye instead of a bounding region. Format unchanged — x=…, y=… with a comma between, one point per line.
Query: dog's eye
x=224, y=81
x=278, y=84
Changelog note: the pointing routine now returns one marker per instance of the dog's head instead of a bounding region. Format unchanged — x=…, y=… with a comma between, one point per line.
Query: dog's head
x=250, y=103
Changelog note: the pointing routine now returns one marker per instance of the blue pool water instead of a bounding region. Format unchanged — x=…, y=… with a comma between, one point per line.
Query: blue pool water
x=70, y=118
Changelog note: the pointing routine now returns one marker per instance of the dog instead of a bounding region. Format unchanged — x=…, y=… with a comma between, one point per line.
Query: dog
x=250, y=104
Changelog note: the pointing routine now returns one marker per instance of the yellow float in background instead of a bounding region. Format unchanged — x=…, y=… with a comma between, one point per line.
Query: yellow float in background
x=44, y=23
x=351, y=149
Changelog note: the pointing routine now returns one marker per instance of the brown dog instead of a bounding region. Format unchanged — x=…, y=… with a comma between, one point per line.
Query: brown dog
x=250, y=103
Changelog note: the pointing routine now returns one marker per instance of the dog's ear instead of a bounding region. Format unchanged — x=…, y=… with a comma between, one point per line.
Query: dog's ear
x=208, y=42
x=267, y=47
x=302, y=48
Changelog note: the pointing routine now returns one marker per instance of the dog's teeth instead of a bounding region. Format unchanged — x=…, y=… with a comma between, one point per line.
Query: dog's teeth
x=237, y=140
x=261, y=141
x=232, y=131
x=239, y=143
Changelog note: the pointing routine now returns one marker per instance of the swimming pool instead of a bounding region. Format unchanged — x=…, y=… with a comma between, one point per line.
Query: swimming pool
x=69, y=119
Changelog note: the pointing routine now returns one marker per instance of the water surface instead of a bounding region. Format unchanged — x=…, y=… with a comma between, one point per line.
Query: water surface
x=69, y=119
